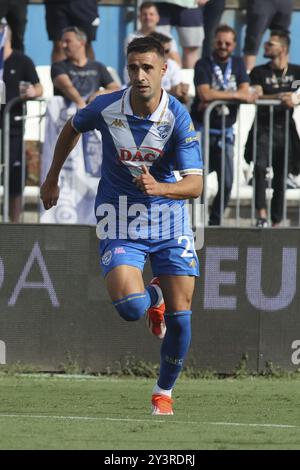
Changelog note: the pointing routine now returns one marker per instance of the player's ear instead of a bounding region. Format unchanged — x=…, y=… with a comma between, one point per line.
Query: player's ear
x=164, y=68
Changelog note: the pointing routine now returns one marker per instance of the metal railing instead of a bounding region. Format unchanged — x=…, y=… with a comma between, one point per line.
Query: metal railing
x=205, y=138
x=206, y=151
x=5, y=166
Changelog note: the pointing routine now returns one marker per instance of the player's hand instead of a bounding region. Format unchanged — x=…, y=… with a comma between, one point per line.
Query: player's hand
x=147, y=184
x=49, y=193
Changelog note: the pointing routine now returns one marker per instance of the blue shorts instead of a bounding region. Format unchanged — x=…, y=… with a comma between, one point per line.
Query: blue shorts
x=176, y=256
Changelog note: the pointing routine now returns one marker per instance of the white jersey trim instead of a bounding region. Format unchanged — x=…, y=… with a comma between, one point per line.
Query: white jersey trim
x=72, y=124
x=191, y=171
x=158, y=113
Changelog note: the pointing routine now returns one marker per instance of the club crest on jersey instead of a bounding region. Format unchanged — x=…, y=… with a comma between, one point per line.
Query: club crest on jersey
x=140, y=154
x=163, y=130
x=106, y=258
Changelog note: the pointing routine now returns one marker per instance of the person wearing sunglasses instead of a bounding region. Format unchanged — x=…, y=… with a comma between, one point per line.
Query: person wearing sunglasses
x=277, y=79
x=222, y=76
x=263, y=15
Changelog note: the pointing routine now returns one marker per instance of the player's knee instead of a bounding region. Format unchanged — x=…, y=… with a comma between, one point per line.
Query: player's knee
x=132, y=307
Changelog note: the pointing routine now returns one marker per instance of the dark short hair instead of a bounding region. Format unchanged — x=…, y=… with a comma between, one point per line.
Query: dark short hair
x=283, y=35
x=146, y=5
x=80, y=33
x=162, y=38
x=146, y=44
x=224, y=28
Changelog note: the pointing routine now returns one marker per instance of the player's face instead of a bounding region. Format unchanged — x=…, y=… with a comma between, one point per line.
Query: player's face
x=145, y=71
x=224, y=45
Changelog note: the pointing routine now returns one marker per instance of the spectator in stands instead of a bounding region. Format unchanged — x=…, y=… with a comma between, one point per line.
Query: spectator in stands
x=172, y=81
x=63, y=13
x=15, y=13
x=220, y=77
x=263, y=15
x=276, y=80
x=187, y=17
x=149, y=19
x=212, y=12
x=78, y=78
x=17, y=68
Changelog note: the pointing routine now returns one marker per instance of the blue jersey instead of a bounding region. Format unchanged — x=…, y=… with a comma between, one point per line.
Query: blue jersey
x=165, y=141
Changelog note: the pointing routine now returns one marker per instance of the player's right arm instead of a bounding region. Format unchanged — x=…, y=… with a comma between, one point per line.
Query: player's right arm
x=84, y=120
x=66, y=141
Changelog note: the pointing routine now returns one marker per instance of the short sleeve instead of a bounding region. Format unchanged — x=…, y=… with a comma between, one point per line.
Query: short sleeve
x=203, y=74
x=86, y=119
x=58, y=68
x=255, y=77
x=30, y=72
x=187, y=147
x=105, y=77
x=243, y=76
x=175, y=73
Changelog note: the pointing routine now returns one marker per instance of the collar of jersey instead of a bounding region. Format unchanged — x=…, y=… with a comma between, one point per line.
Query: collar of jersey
x=158, y=113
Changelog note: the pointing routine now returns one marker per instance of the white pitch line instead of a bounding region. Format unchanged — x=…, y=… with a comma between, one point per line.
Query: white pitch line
x=151, y=420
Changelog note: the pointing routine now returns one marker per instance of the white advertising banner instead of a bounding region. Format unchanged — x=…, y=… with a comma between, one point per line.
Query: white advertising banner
x=79, y=177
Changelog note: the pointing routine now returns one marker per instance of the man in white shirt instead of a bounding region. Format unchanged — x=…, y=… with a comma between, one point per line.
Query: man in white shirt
x=172, y=80
x=149, y=19
x=187, y=17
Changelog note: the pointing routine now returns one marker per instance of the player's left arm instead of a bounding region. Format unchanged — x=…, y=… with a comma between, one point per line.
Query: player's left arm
x=188, y=187
x=188, y=162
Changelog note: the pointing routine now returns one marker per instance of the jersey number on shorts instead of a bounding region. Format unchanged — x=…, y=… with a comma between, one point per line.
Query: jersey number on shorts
x=186, y=252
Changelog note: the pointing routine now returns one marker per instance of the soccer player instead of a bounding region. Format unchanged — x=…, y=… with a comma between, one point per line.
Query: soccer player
x=146, y=135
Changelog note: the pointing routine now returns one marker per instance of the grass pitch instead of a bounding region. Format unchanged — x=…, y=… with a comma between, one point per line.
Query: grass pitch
x=38, y=412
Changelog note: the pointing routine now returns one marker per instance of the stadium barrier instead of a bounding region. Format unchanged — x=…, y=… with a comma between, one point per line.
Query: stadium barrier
x=242, y=193
x=54, y=307
x=37, y=113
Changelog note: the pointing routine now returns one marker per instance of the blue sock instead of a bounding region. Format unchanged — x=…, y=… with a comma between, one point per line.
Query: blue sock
x=134, y=306
x=174, y=347
x=153, y=295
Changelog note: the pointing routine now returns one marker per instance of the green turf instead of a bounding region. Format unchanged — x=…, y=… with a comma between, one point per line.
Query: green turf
x=121, y=407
